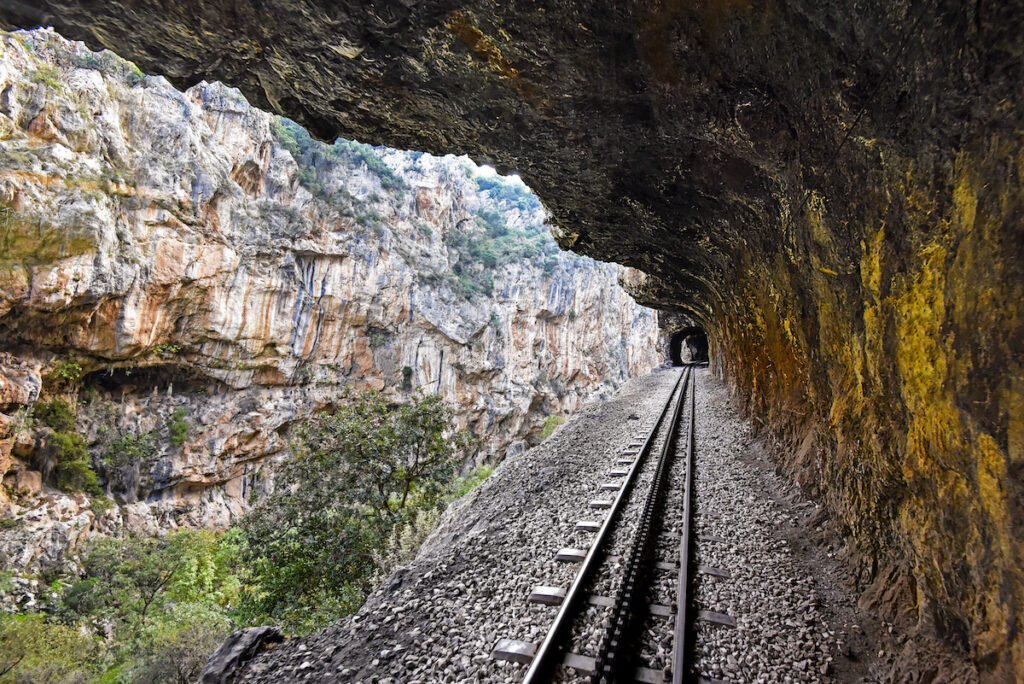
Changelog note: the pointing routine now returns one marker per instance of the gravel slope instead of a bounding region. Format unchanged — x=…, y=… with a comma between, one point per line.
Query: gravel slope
x=438, y=619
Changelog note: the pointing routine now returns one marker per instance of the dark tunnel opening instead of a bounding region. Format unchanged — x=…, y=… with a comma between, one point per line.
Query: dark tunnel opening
x=688, y=346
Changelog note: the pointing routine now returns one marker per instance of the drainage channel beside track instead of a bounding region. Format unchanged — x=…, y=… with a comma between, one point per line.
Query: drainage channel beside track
x=628, y=614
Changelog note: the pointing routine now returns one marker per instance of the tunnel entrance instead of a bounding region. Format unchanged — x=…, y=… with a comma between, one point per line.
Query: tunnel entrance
x=688, y=346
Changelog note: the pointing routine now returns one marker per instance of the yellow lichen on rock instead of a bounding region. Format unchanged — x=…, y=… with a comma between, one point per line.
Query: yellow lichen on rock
x=955, y=471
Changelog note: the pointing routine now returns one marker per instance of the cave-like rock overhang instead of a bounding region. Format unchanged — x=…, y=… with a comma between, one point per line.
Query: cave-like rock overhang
x=831, y=189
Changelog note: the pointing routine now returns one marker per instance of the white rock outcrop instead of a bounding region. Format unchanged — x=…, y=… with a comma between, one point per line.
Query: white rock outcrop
x=194, y=254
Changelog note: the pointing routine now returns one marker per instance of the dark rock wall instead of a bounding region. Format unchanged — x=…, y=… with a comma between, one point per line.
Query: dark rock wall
x=831, y=189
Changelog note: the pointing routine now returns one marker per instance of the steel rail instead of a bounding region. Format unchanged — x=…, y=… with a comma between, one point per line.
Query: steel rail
x=614, y=660
x=549, y=654
x=681, y=640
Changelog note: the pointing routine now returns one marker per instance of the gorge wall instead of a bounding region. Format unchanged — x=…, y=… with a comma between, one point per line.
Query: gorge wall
x=182, y=265
x=831, y=189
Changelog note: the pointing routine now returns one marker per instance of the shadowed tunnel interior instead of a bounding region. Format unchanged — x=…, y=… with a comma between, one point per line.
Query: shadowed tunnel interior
x=688, y=346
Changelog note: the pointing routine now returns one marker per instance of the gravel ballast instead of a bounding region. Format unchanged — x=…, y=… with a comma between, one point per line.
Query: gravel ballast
x=438, y=619
x=780, y=634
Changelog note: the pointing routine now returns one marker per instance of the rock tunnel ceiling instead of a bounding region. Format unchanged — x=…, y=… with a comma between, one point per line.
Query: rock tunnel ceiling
x=833, y=190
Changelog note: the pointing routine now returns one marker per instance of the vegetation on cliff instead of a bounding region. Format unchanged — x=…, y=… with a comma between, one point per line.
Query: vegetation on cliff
x=313, y=156
x=507, y=227
x=491, y=242
x=364, y=485
x=355, y=476
x=65, y=458
x=142, y=403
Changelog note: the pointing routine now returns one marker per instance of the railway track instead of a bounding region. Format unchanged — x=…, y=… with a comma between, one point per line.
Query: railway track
x=628, y=615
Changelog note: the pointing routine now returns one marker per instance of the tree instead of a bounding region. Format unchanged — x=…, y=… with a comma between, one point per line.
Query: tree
x=65, y=456
x=73, y=469
x=125, y=580
x=56, y=414
x=33, y=649
x=354, y=476
x=165, y=602
x=179, y=644
x=178, y=427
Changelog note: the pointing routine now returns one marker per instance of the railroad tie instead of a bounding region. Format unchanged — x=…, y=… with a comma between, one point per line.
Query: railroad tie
x=713, y=572
x=548, y=596
x=716, y=618
x=570, y=555
x=523, y=652
x=514, y=650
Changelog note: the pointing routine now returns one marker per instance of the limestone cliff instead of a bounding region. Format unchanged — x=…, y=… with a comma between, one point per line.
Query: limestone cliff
x=184, y=266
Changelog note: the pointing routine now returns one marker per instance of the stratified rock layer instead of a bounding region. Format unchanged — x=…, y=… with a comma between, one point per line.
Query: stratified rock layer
x=197, y=260
x=833, y=189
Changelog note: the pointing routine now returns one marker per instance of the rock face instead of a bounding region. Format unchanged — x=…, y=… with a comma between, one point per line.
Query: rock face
x=832, y=189
x=183, y=264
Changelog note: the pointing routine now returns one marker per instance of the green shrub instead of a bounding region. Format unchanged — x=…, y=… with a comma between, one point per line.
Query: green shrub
x=489, y=245
x=91, y=60
x=129, y=448
x=142, y=576
x=364, y=487
x=73, y=470
x=550, y=423
x=34, y=649
x=178, y=427
x=164, y=603
x=56, y=414
x=99, y=505
x=355, y=475
x=358, y=153
x=177, y=647
x=509, y=192
x=68, y=369
x=167, y=349
x=108, y=63
x=472, y=287
x=311, y=156
x=404, y=542
x=135, y=75
x=65, y=373
x=464, y=485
